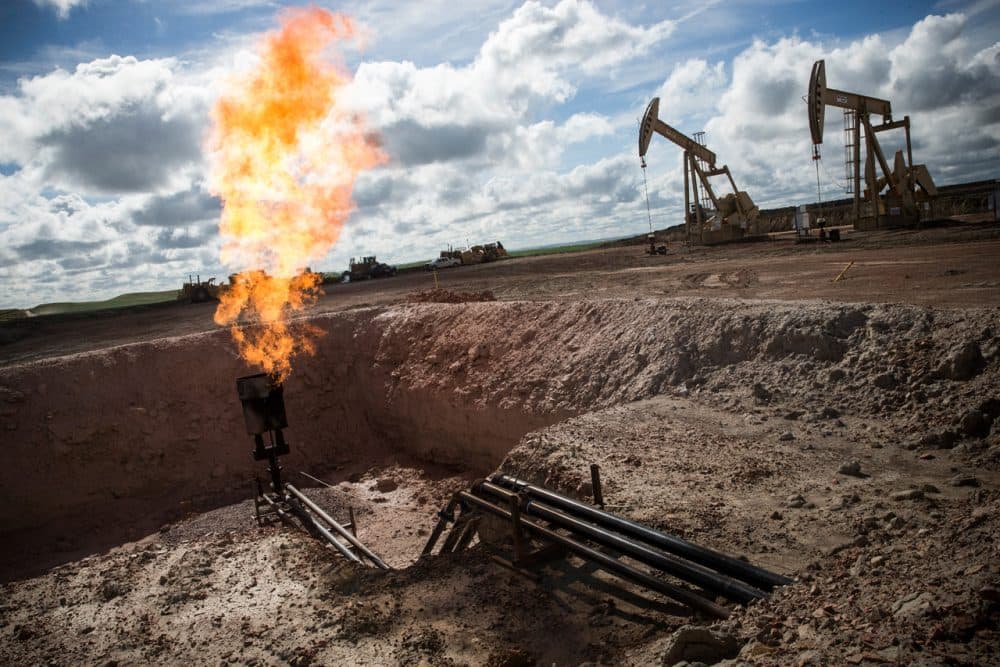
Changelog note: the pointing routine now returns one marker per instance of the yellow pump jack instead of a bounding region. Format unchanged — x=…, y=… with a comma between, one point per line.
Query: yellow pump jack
x=911, y=189
x=730, y=216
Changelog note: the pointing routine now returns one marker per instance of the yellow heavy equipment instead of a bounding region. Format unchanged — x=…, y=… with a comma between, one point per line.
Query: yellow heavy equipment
x=195, y=290
x=366, y=268
x=708, y=219
x=477, y=254
x=911, y=189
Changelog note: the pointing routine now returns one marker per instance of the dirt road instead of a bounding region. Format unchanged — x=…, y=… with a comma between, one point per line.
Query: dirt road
x=945, y=267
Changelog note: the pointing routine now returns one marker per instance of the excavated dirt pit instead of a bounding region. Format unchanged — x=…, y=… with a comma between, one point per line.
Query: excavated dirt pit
x=728, y=422
x=110, y=445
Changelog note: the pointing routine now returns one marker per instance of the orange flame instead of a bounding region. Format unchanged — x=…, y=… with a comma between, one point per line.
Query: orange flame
x=284, y=158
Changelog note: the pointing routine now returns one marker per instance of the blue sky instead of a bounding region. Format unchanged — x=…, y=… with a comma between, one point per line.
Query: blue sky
x=503, y=120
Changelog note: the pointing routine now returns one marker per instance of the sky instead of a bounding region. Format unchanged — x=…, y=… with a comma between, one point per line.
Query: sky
x=501, y=120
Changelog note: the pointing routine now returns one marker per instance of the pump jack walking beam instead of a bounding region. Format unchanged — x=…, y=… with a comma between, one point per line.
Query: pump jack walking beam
x=651, y=123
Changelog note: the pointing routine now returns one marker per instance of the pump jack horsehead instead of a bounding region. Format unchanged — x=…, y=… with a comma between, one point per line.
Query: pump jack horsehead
x=732, y=215
x=910, y=185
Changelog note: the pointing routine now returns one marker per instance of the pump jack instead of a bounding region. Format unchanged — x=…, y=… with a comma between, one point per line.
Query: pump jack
x=909, y=185
x=732, y=214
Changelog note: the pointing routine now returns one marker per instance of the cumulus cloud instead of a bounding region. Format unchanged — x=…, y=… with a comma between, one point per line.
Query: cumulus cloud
x=935, y=74
x=62, y=7
x=103, y=175
x=534, y=59
x=411, y=143
x=53, y=248
x=135, y=150
x=692, y=89
x=529, y=52
x=933, y=68
x=114, y=125
x=183, y=207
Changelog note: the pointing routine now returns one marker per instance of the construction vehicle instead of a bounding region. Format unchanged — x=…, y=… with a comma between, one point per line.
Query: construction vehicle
x=195, y=290
x=488, y=252
x=911, y=189
x=366, y=268
x=715, y=219
x=494, y=251
x=477, y=254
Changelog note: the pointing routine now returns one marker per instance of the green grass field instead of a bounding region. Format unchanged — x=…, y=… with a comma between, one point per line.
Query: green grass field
x=120, y=301
x=555, y=250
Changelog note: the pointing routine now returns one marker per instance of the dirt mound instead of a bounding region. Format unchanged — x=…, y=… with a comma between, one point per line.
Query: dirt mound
x=449, y=296
x=864, y=546
x=153, y=430
x=729, y=422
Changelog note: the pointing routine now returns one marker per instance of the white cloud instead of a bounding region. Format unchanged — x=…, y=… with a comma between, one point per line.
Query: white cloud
x=106, y=164
x=934, y=74
x=528, y=54
x=933, y=68
x=692, y=89
x=62, y=7
x=116, y=124
x=526, y=65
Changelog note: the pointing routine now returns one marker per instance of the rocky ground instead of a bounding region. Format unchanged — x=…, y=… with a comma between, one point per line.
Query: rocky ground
x=851, y=446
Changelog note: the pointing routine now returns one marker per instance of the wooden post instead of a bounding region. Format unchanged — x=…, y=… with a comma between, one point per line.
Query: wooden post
x=842, y=273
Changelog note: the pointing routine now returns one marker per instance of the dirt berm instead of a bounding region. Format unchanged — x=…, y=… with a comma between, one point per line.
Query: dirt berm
x=710, y=417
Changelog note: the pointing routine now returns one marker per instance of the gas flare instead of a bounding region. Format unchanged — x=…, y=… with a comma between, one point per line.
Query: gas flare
x=284, y=155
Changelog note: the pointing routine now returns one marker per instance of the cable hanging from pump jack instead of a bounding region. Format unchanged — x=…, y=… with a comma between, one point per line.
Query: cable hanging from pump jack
x=819, y=191
x=645, y=187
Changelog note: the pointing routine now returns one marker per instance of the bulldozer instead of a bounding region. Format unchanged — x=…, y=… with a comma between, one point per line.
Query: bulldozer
x=195, y=290
x=366, y=268
x=494, y=251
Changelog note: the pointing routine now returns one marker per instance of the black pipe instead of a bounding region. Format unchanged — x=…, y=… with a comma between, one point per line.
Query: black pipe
x=689, y=598
x=682, y=569
x=309, y=521
x=337, y=527
x=675, y=545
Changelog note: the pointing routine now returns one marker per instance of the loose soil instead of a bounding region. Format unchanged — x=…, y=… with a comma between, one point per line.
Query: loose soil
x=842, y=433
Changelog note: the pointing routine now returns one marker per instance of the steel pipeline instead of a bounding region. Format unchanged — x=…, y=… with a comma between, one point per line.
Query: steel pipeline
x=675, y=545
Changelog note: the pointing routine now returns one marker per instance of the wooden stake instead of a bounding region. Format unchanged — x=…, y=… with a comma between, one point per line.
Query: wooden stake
x=841, y=274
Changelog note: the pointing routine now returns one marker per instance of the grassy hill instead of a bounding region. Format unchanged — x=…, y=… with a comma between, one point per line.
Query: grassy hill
x=120, y=301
